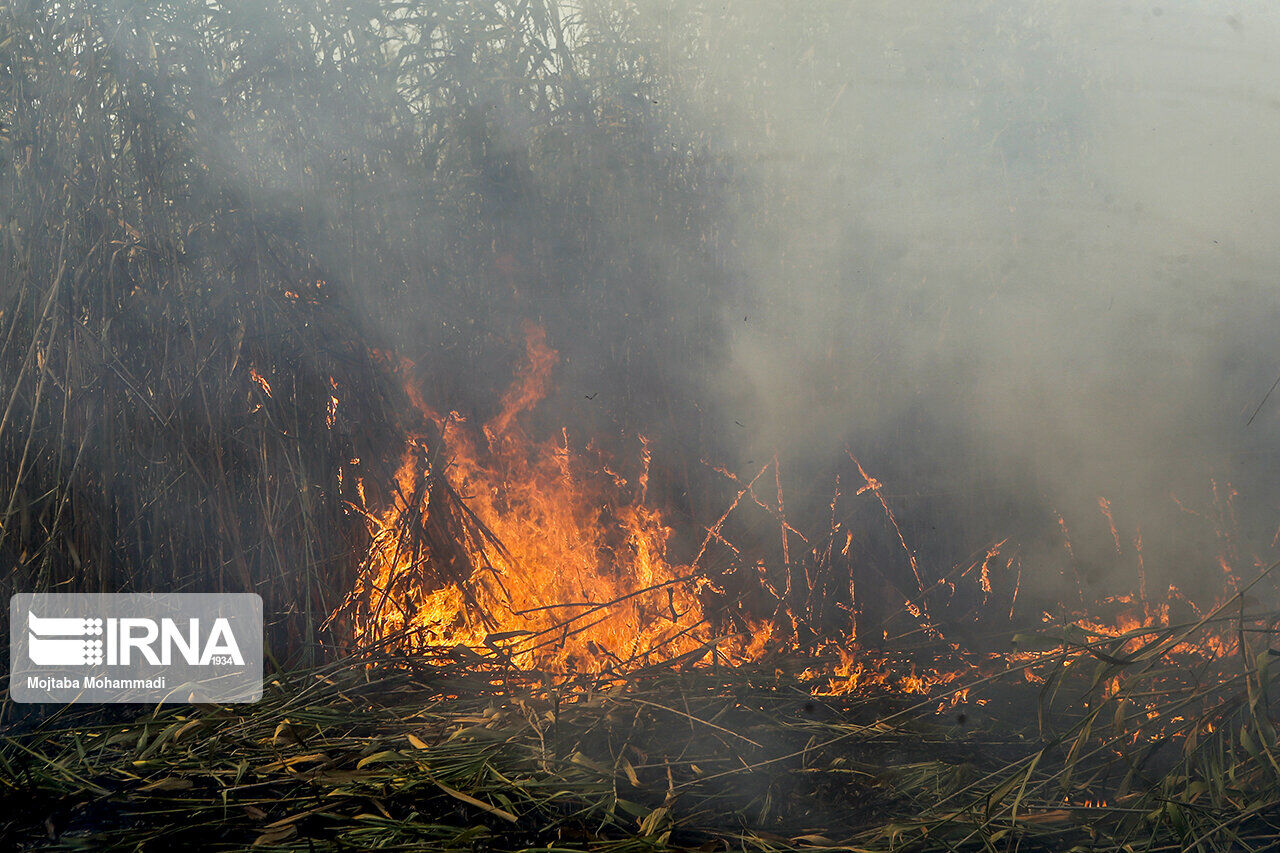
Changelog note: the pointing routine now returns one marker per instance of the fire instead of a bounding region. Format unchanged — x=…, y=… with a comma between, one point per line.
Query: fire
x=564, y=568
x=537, y=554
x=260, y=381
x=331, y=410
x=855, y=672
x=1136, y=620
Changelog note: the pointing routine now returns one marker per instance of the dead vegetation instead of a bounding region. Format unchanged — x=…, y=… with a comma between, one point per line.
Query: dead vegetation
x=445, y=754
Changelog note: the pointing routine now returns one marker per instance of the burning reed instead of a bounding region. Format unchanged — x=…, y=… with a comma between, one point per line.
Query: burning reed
x=551, y=560
x=216, y=220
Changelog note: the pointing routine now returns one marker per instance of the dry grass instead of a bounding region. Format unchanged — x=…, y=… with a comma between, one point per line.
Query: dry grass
x=453, y=754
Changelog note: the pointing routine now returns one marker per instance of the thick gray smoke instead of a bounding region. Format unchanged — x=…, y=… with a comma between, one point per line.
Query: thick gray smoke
x=1016, y=256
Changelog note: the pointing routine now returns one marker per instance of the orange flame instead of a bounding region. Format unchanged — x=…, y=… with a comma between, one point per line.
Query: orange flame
x=572, y=573
x=563, y=566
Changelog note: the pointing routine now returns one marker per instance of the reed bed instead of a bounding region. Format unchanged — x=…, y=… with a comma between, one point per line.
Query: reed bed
x=225, y=224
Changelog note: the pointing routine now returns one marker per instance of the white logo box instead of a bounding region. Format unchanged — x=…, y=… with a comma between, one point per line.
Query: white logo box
x=135, y=647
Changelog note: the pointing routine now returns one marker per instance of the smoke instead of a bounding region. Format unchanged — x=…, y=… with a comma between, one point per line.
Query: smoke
x=1016, y=256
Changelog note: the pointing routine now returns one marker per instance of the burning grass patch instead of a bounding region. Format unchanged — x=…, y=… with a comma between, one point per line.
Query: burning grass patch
x=1099, y=752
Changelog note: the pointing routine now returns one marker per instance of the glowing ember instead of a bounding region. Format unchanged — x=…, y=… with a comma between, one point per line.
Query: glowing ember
x=260, y=381
x=854, y=673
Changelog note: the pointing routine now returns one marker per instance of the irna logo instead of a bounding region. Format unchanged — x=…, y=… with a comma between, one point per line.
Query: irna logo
x=62, y=641
x=135, y=647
